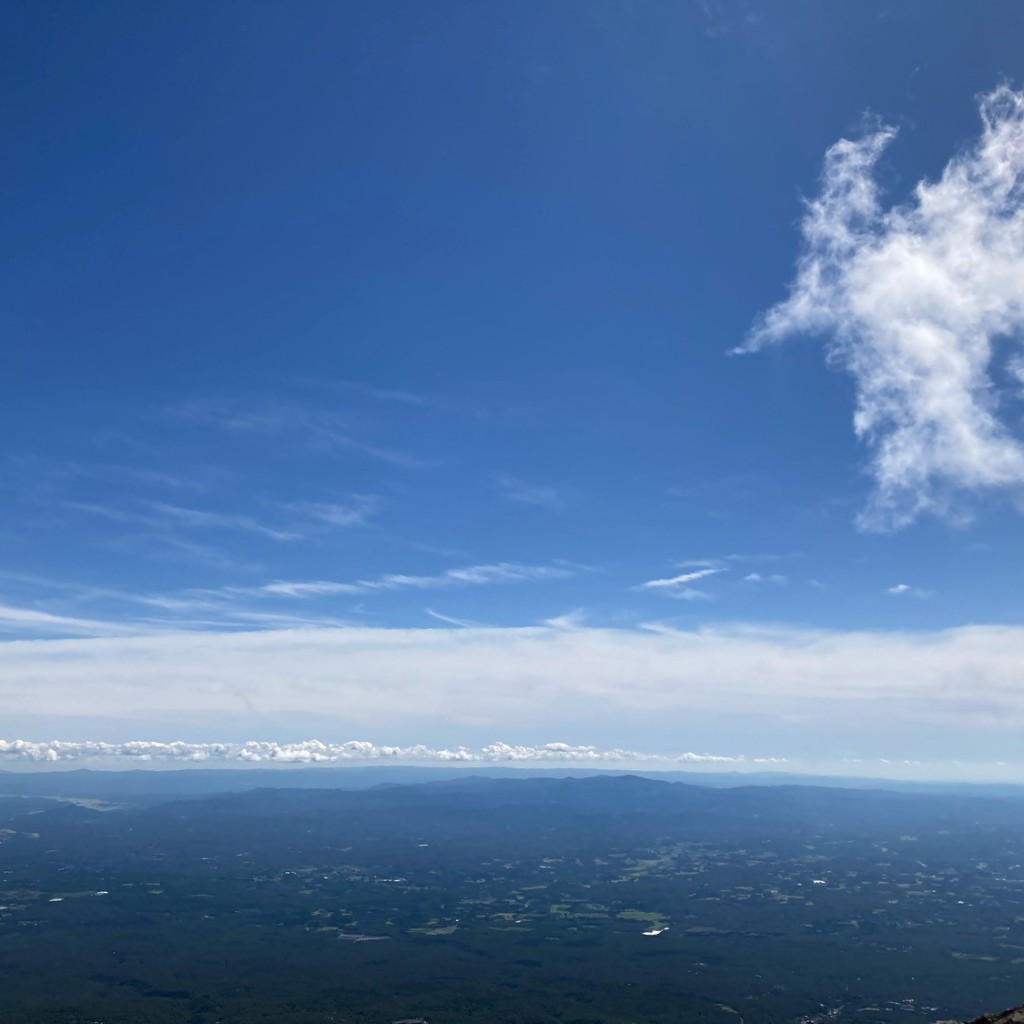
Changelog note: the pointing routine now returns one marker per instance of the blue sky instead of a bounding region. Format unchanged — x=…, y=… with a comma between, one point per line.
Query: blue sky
x=370, y=372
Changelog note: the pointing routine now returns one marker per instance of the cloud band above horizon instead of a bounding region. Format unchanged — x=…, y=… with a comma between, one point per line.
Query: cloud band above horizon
x=503, y=678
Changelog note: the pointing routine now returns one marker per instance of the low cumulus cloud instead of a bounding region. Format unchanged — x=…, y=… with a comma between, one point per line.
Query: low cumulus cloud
x=922, y=304
x=349, y=752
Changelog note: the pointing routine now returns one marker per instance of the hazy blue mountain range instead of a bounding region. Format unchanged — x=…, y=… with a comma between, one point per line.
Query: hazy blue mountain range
x=155, y=784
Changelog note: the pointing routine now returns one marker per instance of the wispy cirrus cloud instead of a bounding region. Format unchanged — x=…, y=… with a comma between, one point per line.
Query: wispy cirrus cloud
x=317, y=427
x=723, y=561
x=571, y=620
x=237, y=607
x=304, y=519
x=160, y=516
x=679, y=586
x=723, y=17
x=45, y=471
x=906, y=590
x=223, y=520
x=162, y=613
x=472, y=575
x=451, y=620
x=395, y=396
x=524, y=493
x=34, y=620
x=355, y=512
x=683, y=578
x=923, y=304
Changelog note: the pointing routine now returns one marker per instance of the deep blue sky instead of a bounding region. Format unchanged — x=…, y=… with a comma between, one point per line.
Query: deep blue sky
x=340, y=293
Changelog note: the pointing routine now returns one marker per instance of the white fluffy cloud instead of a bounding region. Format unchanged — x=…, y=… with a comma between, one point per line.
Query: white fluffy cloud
x=921, y=302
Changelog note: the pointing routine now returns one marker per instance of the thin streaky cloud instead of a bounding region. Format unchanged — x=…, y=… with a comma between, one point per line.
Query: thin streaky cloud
x=225, y=607
x=355, y=512
x=237, y=622
x=68, y=470
x=724, y=17
x=202, y=518
x=305, y=588
x=185, y=602
x=571, y=620
x=525, y=493
x=317, y=427
x=763, y=557
x=160, y=516
x=500, y=572
x=414, y=399
x=451, y=620
x=277, y=620
x=658, y=628
x=337, y=439
x=86, y=593
x=154, y=537
x=681, y=580
x=174, y=481
x=734, y=557
x=15, y=619
x=206, y=554
x=117, y=515
x=48, y=583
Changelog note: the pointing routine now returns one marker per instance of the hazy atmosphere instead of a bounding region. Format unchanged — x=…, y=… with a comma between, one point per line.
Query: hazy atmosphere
x=528, y=384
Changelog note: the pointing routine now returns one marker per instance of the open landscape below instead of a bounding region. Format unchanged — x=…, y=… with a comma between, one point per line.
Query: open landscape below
x=533, y=898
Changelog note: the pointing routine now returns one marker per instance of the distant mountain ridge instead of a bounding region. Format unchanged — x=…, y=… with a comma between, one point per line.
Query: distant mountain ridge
x=145, y=784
